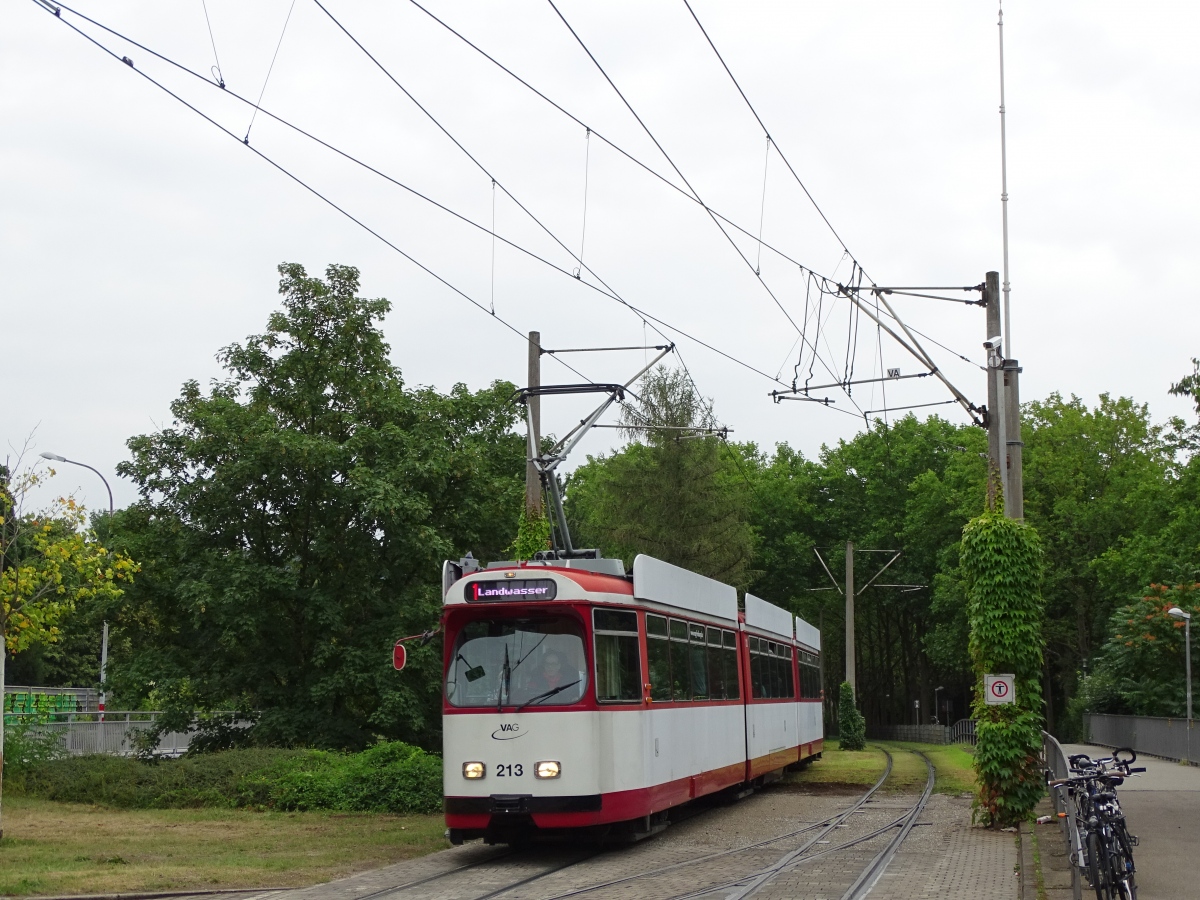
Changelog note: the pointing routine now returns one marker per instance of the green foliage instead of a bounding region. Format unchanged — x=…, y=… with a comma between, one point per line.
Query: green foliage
x=388, y=777
x=1141, y=668
x=671, y=494
x=48, y=563
x=852, y=728
x=27, y=749
x=1002, y=564
x=533, y=535
x=293, y=520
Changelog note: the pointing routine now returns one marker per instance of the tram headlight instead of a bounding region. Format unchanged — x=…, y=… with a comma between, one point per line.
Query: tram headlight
x=474, y=770
x=547, y=769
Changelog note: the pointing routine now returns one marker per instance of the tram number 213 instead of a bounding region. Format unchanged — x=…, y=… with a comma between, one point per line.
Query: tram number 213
x=514, y=770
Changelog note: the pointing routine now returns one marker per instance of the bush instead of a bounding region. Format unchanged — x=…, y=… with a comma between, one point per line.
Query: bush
x=26, y=749
x=852, y=729
x=389, y=777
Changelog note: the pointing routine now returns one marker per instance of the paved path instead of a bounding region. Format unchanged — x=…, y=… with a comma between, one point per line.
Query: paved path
x=1162, y=808
x=943, y=858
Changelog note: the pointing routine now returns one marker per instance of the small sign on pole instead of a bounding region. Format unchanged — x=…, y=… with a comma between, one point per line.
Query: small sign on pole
x=399, y=656
x=999, y=690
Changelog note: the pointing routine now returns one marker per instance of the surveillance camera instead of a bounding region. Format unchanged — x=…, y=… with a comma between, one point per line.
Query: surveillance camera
x=992, y=343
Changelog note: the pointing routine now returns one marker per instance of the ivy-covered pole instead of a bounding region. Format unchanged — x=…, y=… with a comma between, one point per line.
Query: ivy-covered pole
x=1002, y=562
x=852, y=729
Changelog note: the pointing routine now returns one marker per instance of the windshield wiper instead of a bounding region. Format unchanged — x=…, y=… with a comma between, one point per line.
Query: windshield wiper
x=505, y=675
x=546, y=695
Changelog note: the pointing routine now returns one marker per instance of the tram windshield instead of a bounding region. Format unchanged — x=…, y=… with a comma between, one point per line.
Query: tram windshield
x=518, y=662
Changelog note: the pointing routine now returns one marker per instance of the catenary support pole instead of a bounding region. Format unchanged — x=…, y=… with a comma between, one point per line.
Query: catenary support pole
x=533, y=482
x=995, y=403
x=1015, y=503
x=850, y=616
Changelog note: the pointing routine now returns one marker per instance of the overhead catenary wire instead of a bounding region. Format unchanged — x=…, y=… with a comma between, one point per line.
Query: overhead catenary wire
x=610, y=143
x=681, y=191
x=536, y=220
x=295, y=178
x=643, y=314
x=684, y=179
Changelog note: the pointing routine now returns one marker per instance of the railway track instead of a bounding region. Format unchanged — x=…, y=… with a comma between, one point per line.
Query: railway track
x=714, y=867
x=737, y=873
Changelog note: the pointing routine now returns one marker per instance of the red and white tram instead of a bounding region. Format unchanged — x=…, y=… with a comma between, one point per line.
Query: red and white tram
x=576, y=696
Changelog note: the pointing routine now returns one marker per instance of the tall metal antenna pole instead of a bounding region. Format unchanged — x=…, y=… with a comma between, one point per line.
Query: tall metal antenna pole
x=1008, y=341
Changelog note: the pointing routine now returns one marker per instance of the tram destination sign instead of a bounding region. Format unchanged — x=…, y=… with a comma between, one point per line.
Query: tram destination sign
x=512, y=589
x=999, y=689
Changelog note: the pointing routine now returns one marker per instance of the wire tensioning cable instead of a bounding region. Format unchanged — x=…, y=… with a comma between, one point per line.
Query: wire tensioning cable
x=216, y=70
x=270, y=69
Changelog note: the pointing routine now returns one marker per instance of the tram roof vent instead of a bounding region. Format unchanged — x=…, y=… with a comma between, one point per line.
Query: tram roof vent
x=662, y=582
x=768, y=616
x=808, y=635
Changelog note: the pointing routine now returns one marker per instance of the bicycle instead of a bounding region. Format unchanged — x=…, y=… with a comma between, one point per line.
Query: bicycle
x=1104, y=839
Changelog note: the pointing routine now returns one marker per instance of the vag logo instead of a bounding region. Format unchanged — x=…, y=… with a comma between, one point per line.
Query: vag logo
x=509, y=731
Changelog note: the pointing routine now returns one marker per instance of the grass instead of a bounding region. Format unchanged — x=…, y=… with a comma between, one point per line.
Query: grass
x=70, y=848
x=860, y=768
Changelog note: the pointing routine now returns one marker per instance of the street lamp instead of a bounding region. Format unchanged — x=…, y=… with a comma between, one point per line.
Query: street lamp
x=1178, y=613
x=937, y=710
x=104, y=638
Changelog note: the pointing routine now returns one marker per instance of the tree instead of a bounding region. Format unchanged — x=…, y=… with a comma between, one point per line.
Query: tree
x=1140, y=671
x=293, y=519
x=48, y=564
x=673, y=493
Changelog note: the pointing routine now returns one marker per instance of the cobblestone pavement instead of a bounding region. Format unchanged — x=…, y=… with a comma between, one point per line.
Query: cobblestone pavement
x=943, y=858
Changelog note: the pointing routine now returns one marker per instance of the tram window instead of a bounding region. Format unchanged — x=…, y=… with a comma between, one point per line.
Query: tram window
x=658, y=651
x=789, y=678
x=758, y=680
x=509, y=661
x=698, y=662
x=618, y=662
x=733, y=690
x=614, y=620
x=681, y=688
x=773, y=667
x=810, y=675
x=716, y=665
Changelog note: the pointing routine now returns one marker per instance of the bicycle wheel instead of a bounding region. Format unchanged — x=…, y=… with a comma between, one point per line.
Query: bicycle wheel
x=1122, y=865
x=1098, y=867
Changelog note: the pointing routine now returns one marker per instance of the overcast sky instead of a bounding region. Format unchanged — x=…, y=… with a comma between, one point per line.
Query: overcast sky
x=136, y=239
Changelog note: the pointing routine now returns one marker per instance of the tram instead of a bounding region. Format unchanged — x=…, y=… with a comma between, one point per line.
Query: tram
x=579, y=697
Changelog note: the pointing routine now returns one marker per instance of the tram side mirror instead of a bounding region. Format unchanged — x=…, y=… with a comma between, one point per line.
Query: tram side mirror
x=399, y=656
x=475, y=674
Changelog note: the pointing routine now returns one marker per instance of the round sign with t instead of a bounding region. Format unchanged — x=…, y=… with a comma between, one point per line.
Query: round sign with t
x=999, y=689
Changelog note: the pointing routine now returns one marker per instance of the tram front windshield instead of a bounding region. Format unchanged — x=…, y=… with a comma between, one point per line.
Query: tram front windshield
x=505, y=662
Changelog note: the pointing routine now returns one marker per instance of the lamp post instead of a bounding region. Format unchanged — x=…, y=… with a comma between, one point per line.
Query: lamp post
x=104, y=636
x=937, y=710
x=1178, y=613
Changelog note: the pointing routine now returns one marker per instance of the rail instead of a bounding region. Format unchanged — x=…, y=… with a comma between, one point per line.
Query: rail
x=1055, y=763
